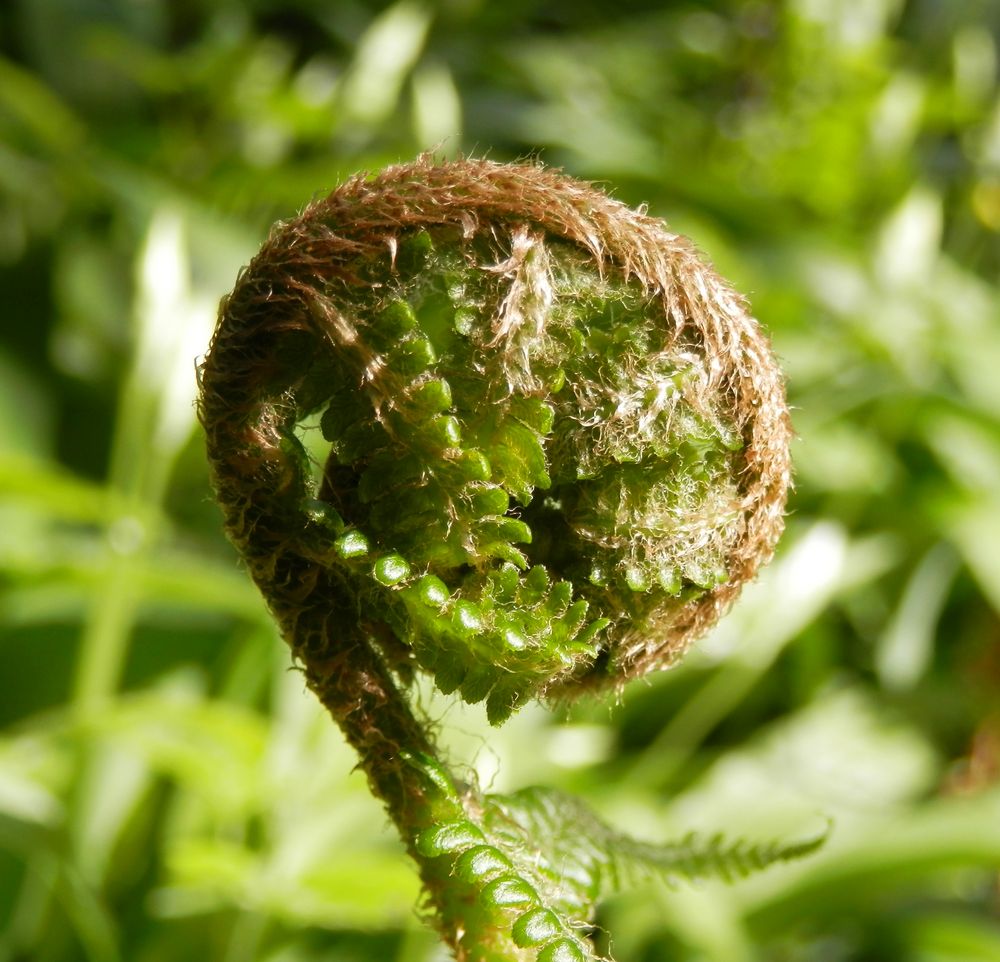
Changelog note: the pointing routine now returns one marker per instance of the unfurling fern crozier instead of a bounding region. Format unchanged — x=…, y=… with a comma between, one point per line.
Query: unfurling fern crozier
x=558, y=447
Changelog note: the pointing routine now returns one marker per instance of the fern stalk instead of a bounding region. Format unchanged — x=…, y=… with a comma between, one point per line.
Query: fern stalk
x=558, y=449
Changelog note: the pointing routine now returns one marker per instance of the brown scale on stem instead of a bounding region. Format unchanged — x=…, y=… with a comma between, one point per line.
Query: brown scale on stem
x=559, y=448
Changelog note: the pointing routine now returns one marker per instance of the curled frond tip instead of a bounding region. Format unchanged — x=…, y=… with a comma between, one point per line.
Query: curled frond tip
x=558, y=441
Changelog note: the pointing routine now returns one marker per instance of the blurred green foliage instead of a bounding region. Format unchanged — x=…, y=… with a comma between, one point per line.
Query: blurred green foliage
x=168, y=790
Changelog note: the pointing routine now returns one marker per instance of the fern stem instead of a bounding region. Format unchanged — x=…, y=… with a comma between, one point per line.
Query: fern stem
x=558, y=449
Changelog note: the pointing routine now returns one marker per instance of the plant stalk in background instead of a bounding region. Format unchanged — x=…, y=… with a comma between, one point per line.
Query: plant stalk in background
x=558, y=449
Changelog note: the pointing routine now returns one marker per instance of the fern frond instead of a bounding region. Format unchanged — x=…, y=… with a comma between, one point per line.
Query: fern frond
x=581, y=858
x=558, y=450
x=695, y=857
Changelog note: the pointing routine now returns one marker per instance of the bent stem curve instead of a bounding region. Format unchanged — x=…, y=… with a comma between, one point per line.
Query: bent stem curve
x=558, y=449
x=259, y=472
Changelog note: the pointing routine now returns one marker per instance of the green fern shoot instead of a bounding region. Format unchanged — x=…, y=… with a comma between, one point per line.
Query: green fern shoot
x=558, y=447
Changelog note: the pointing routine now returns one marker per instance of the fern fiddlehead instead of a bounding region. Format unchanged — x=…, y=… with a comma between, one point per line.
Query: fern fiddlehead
x=558, y=449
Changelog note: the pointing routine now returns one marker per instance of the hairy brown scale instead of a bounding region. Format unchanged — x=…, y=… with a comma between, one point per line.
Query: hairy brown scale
x=305, y=327
x=558, y=447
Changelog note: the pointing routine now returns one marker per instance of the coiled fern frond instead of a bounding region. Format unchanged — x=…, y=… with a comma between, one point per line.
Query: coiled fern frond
x=558, y=447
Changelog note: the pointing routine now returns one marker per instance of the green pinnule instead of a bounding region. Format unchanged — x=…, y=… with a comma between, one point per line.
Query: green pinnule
x=558, y=447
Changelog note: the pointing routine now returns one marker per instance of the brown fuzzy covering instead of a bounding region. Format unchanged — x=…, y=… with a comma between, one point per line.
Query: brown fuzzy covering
x=293, y=306
x=296, y=285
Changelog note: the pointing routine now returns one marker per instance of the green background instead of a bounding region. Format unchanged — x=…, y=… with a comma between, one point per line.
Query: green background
x=169, y=791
